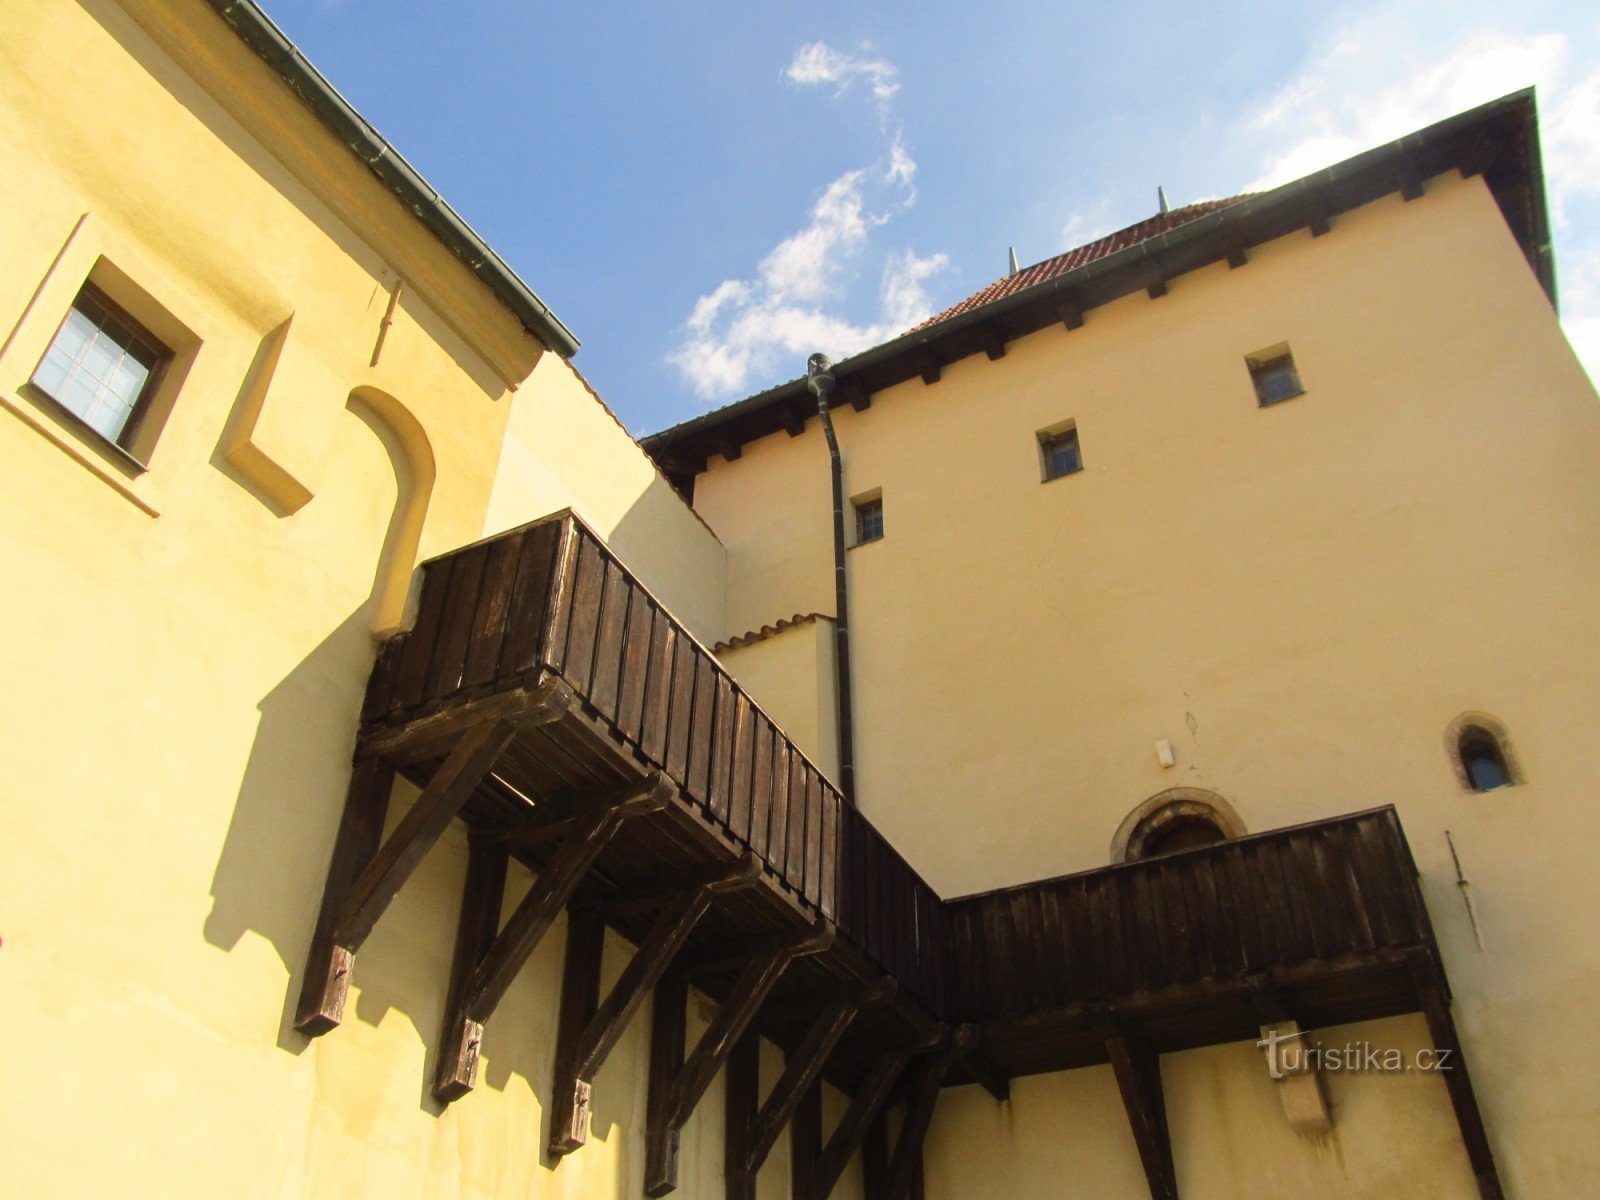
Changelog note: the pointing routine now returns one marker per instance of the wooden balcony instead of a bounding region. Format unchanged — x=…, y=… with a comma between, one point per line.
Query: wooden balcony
x=548, y=700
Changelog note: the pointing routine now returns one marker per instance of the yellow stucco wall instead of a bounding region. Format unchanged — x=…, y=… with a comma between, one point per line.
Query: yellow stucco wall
x=791, y=674
x=186, y=647
x=1301, y=598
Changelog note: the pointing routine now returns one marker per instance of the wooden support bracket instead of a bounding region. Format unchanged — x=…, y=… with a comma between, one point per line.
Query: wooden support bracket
x=1071, y=314
x=525, y=707
x=991, y=339
x=1434, y=998
x=1138, y=1071
x=487, y=958
x=1410, y=179
x=364, y=876
x=676, y=1084
x=793, y=421
x=855, y=395
x=970, y=1059
x=587, y=1035
x=906, y=1163
x=869, y=1100
x=927, y=363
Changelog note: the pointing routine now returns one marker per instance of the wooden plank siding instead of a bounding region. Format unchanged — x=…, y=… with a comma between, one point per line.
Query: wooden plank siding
x=551, y=597
x=1322, y=910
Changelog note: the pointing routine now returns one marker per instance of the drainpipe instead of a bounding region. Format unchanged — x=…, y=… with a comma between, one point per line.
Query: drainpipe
x=820, y=381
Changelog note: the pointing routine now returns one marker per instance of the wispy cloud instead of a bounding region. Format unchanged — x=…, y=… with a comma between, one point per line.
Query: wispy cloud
x=744, y=330
x=1347, y=100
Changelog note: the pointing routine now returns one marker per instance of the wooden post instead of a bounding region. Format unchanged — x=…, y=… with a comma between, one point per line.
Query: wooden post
x=585, y=1046
x=682, y=1090
x=361, y=883
x=906, y=1165
x=1138, y=1072
x=806, y=1138
x=804, y=1069
x=741, y=1092
x=580, y=998
x=1435, y=1003
x=482, y=895
x=667, y=1036
x=869, y=1100
x=488, y=967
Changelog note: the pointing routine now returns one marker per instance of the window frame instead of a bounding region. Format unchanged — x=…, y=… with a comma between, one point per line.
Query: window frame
x=861, y=507
x=1264, y=364
x=161, y=354
x=1058, y=435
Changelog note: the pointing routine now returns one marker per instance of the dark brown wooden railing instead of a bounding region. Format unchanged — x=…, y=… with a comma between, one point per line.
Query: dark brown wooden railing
x=550, y=597
x=1310, y=893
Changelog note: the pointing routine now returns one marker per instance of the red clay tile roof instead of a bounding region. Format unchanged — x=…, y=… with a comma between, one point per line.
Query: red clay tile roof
x=1062, y=263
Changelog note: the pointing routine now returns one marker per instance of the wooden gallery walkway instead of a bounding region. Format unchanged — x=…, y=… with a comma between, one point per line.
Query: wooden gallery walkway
x=547, y=700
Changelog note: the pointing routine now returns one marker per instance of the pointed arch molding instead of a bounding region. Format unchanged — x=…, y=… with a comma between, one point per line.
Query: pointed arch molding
x=411, y=453
x=1172, y=804
x=1495, y=728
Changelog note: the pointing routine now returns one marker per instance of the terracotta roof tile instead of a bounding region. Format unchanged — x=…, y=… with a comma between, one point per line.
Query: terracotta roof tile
x=1009, y=285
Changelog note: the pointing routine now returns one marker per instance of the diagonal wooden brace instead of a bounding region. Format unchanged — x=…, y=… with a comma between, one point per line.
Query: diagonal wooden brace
x=868, y=1102
x=364, y=876
x=487, y=966
x=591, y=1042
x=906, y=1164
x=676, y=1088
x=1138, y=1071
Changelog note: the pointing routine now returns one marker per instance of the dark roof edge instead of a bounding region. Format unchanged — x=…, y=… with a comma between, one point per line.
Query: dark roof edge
x=714, y=425
x=274, y=48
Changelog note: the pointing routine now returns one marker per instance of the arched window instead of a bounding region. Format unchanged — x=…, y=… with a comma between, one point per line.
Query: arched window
x=1480, y=750
x=1181, y=818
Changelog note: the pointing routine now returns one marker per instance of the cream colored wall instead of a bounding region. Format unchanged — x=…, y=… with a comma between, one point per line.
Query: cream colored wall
x=1301, y=598
x=562, y=449
x=187, y=647
x=791, y=675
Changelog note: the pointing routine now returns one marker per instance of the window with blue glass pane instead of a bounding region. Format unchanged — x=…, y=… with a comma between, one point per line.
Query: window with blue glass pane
x=1062, y=454
x=1274, y=374
x=869, y=521
x=102, y=366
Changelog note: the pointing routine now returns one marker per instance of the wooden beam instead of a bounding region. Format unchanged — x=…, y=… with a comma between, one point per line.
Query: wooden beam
x=971, y=1060
x=805, y=1067
x=728, y=447
x=667, y=1036
x=1138, y=1071
x=806, y=1145
x=1156, y=288
x=1481, y=155
x=482, y=896
x=991, y=339
x=491, y=965
x=1071, y=314
x=1434, y=999
x=741, y=1093
x=1318, y=219
x=868, y=1101
x=875, y=1159
x=1411, y=186
x=793, y=421
x=525, y=707
x=362, y=881
x=327, y=975
x=578, y=1064
x=682, y=1090
x=580, y=999
x=855, y=395
x=906, y=1164
x=654, y=892
x=927, y=364
x=1236, y=255
x=731, y=955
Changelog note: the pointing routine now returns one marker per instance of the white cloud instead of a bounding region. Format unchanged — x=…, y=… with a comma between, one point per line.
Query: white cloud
x=818, y=63
x=1347, y=100
x=744, y=330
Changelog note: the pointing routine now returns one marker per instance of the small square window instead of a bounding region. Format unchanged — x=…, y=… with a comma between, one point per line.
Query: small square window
x=869, y=520
x=1061, y=453
x=1273, y=372
x=102, y=367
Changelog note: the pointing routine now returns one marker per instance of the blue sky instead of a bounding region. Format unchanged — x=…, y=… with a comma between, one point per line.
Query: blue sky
x=706, y=192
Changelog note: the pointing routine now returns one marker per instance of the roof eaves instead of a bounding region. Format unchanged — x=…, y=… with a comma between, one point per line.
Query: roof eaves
x=273, y=47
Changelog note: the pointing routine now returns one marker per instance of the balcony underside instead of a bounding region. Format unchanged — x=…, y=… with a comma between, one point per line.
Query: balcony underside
x=547, y=700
